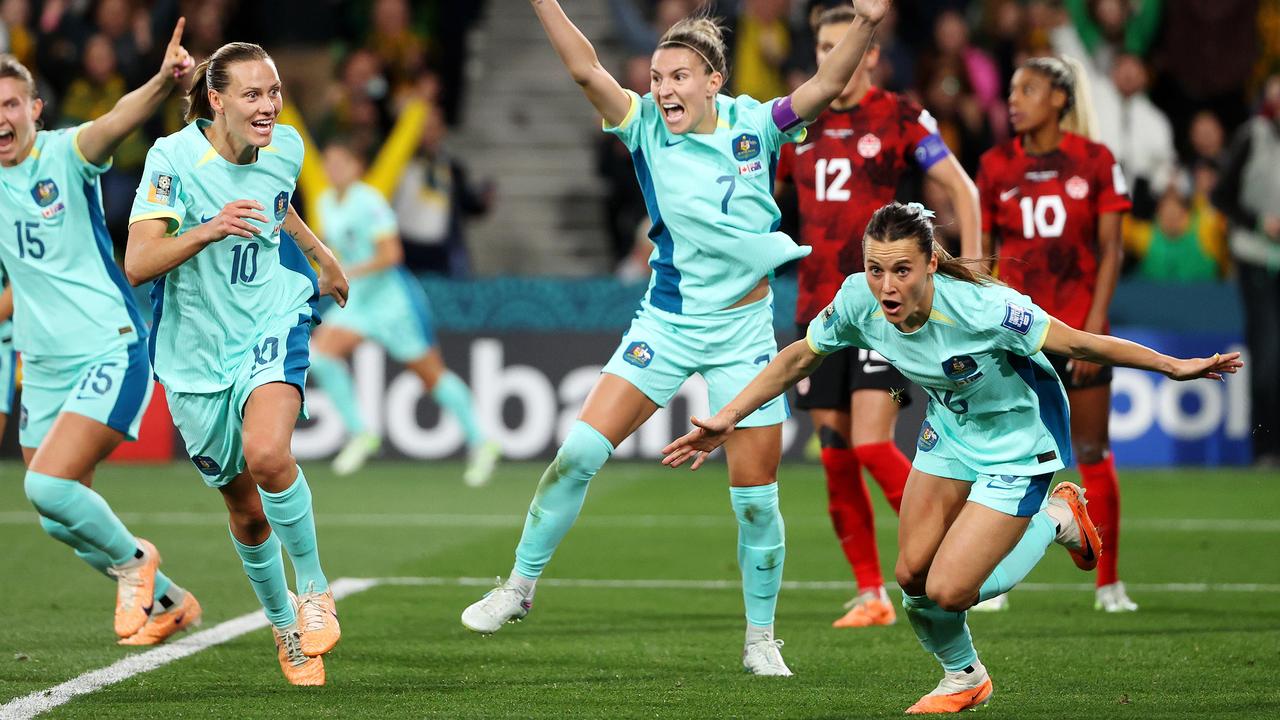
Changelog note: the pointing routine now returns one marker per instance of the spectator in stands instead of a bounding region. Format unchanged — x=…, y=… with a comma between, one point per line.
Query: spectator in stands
x=1183, y=243
x=433, y=201
x=953, y=53
x=1006, y=28
x=359, y=103
x=128, y=29
x=1249, y=194
x=1206, y=138
x=624, y=202
x=761, y=47
x=961, y=120
x=1206, y=54
x=16, y=37
x=398, y=46
x=1108, y=28
x=1135, y=130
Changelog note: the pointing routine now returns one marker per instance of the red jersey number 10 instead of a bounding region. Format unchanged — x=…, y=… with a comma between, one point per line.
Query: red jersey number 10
x=1036, y=214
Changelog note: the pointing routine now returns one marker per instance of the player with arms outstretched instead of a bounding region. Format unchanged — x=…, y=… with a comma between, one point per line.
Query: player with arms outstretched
x=705, y=163
x=87, y=380
x=387, y=306
x=234, y=301
x=850, y=165
x=977, y=514
x=1052, y=206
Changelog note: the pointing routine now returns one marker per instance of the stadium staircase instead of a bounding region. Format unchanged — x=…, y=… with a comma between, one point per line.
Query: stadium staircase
x=528, y=128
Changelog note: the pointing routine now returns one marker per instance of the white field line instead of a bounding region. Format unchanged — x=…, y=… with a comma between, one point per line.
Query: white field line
x=806, y=585
x=514, y=520
x=44, y=700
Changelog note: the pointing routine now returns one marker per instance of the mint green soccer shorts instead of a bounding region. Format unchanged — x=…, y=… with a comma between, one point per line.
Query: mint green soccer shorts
x=728, y=349
x=112, y=387
x=211, y=424
x=1016, y=495
x=391, y=310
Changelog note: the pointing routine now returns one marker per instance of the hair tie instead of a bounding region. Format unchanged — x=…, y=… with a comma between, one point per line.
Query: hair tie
x=668, y=43
x=921, y=210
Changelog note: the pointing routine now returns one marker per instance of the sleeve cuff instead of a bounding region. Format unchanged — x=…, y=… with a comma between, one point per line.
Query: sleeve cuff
x=75, y=144
x=1044, y=336
x=175, y=222
x=631, y=114
x=808, y=340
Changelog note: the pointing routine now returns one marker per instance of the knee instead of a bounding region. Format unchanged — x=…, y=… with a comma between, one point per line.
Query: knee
x=583, y=452
x=269, y=462
x=951, y=597
x=250, y=524
x=910, y=578
x=45, y=492
x=1091, y=450
x=833, y=438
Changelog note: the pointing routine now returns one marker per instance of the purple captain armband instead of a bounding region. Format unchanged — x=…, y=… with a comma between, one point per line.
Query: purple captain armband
x=785, y=117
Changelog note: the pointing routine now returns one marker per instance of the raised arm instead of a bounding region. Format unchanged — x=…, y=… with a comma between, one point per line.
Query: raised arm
x=332, y=281
x=964, y=201
x=811, y=98
x=579, y=57
x=796, y=361
x=1107, y=350
x=100, y=139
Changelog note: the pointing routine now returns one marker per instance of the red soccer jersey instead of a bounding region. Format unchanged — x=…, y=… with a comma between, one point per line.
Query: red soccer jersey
x=1042, y=212
x=847, y=168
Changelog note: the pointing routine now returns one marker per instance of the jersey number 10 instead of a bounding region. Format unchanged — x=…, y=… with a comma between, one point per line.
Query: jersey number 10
x=244, y=263
x=1035, y=216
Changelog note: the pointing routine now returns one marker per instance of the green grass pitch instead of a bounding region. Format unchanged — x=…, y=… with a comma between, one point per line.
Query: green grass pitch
x=652, y=649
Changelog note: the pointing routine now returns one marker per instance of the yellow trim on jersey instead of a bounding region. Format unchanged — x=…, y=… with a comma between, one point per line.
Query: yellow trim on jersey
x=35, y=152
x=208, y=155
x=632, y=111
x=809, y=341
x=1044, y=337
x=270, y=149
x=174, y=225
x=936, y=314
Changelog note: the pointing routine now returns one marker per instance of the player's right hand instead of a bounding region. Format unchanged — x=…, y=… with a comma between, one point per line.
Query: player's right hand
x=706, y=436
x=1212, y=368
x=234, y=220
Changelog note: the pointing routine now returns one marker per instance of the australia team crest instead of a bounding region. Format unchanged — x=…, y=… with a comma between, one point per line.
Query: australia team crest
x=746, y=147
x=638, y=354
x=282, y=205
x=45, y=192
x=962, y=369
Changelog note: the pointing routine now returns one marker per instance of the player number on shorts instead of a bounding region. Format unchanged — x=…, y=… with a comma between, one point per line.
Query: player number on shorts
x=733, y=183
x=267, y=352
x=1035, y=216
x=244, y=263
x=831, y=175
x=949, y=401
x=96, y=380
x=28, y=244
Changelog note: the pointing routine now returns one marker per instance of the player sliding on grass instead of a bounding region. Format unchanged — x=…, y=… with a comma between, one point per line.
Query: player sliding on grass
x=705, y=163
x=87, y=378
x=234, y=302
x=976, y=514
x=389, y=307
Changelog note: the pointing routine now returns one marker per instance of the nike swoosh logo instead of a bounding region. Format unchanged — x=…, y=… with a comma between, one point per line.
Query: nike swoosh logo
x=869, y=368
x=802, y=149
x=673, y=144
x=204, y=220
x=147, y=609
x=255, y=373
x=1008, y=194
x=763, y=569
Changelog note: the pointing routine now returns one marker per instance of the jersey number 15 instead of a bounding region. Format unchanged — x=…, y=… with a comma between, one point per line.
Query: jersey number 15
x=28, y=244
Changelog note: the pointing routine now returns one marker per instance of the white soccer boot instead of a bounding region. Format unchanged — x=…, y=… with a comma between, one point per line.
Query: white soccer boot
x=762, y=655
x=356, y=453
x=998, y=603
x=481, y=463
x=1113, y=598
x=507, y=603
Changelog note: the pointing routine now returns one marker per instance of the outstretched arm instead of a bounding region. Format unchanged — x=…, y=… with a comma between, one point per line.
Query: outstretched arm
x=811, y=98
x=796, y=361
x=1107, y=350
x=100, y=139
x=579, y=57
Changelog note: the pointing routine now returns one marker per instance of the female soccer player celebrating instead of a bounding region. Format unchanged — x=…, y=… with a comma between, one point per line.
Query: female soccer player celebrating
x=389, y=306
x=1052, y=205
x=850, y=165
x=87, y=379
x=234, y=302
x=974, y=515
x=705, y=163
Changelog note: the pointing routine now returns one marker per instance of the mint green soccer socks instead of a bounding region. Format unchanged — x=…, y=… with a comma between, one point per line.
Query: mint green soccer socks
x=289, y=513
x=452, y=394
x=84, y=513
x=943, y=633
x=761, y=549
x=94, y=557
x=1024, y=556
x=559, y=497
x=335, y=379
x=265, y=568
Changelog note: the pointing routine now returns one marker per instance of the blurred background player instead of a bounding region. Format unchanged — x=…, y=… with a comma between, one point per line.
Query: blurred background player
x=976, y=515
x=234, y=301
x=8, y=356
x=706, y=164
x=87, y=378
x=851, y=163
x=1053, y=202
x=388, y=306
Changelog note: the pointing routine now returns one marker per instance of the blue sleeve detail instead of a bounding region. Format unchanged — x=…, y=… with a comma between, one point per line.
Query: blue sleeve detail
x=930, y=151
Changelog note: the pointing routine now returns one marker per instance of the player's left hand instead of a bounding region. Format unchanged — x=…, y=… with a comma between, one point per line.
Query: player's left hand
x=1083, y=371
x=177, y=61
x=707, y=435
x=333, y=282
x=873, y=10
x=1212, y=368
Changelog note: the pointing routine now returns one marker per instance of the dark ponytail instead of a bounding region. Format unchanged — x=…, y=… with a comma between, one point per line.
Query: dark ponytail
x=913, y=221
x=215, y=74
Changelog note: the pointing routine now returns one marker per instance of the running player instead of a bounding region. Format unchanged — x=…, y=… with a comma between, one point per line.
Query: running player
x=705, y=163
x=976, y=514
x=1052, y=203
x=87, y=381
x=850, y=165
x=388, y=306
x=234, y=300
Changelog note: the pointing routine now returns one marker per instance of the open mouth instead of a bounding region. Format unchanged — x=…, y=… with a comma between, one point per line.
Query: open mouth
x=890, y=306
x=673, y=112
x=6, y=139
x=263, y=126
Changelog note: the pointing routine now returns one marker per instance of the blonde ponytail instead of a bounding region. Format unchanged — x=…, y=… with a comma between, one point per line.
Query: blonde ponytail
x=1081, y=119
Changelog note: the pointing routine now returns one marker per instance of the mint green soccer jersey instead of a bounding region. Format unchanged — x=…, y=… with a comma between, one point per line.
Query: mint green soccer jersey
x=710, y=201
x=995, y=403
x=211, y=310
x=70, y=297
x=353, y=224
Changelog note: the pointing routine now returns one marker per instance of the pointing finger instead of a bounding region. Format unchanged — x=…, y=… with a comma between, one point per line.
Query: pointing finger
x=177, y=32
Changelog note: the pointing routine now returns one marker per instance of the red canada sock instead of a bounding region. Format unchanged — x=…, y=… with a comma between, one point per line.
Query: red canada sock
x=1102, y=490
x=888, y=466
x=849, y=505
